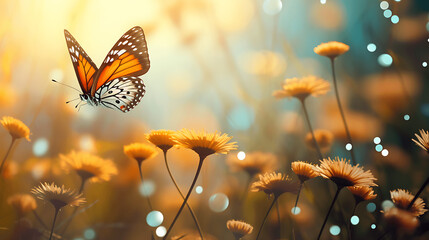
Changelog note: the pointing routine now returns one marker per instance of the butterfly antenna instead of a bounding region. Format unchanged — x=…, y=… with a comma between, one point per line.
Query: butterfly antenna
x=55, y=81
x=77, y=105
x=72, y=100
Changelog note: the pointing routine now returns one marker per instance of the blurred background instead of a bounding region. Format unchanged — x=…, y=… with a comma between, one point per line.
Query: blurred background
x=214, y=66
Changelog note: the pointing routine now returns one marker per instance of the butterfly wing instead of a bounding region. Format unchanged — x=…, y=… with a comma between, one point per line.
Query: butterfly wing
x=84, y=67
x=128, y=58
x=123, y=93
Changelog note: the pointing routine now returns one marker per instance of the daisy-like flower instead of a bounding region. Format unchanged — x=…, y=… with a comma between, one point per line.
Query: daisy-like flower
x=15, y=127
x=422, y=140
x=362, y=193
x=303, y=87
x=239, y=228
x=88, y=166
x=402, y=198
x=22, y=203
x=342, y=173
x=140, y=151
x=324, y=139
x=254, y=163
x=331, y=49
x=59, y=197
x=304, y=170
x=401, y=219
x=162, y=139
x=204, y=144
x=274, y=184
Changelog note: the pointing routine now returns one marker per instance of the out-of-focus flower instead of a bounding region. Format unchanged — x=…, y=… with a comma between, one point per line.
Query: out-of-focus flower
x=342, y=173
x=161, y=138
x=10, y=169
x=304, y=171
x=265, y=64
x=204, y=144
x=233, y=16
x=274, y=184
x=59, y=197
x=402, y=198
x=331, y=49
x=140, y=151
x=7, y=96
x=22, y=203
x=15, y=127
x=239, y=228
x=324, y=139
x=409, y=29
x=386, y=92
x=303, y=87
x=329, y=17
x=88, y=166
x=422, y=140
x=362, y=193
x=401, y=219
x=254, y=162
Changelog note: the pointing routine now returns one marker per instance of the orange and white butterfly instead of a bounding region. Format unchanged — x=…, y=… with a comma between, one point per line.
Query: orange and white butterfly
x=116, y=83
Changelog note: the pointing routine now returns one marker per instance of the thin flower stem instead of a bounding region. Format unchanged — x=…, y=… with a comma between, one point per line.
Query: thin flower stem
x=39, y=220
x=294, y=209
x=53, y=222
x=349, y=226
x=278, y=213
x=183, y=197
x=7, y=154
x=200, y=165
x=329, y=211
x=418, y=193
x=337, y=95
x=304, y=108
x=82, y=184
x=265, y=218
x=141, y=177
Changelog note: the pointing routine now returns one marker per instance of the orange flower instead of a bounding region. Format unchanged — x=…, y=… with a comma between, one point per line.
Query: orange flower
x=23, y=203
x=161, y=138
x=362, y=193
x=331, y=49
x=303, y=87
x=16, y=128
x=239, y=228
x=402, y=198
x=422, y=140
x=59, y=197
x=274, y=184
x=304, y=170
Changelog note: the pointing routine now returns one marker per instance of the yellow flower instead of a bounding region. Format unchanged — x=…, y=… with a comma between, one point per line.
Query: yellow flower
x=204, y=144
x=140, y=151
x=304, y=170
x=89, y=166
x=401, y=219
x=324, y=139
x=342, y=173
x=402, y=198
x=239, y=228
x=422, y=140
x=331, y=49
x=254, y=163
x=23, y=203
x=162, y=139
x=16, y=128
x=303, y=87
x=59, y=197
x=362, y=193
x=274, y=183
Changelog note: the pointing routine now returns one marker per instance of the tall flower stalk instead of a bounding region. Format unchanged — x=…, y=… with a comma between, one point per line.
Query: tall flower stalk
x=332, y=50
x=360, y=194
x=204, y=144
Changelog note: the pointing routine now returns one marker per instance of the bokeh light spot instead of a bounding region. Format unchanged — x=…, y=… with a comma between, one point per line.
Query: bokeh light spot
x=424, y=64
x=40, y=147
x=199, y=189
x=384, y=5
x=373, y=226
x=147, y=188
x=354, y=220
x=335, y=230
x=371, y=47
x=272, y=7
x=322, y=1
x=218, y=202
x=387, y=204
x=89, y=233
x=241, y=155
x=378, y=148
x=385, y=152
x=385, y=60
x=394, y=19
x=377, y=140
x=295, y=210
x=349, y=146
x=387, y=13
x=370, y=207
x=161, y=231
x=154, y=218
x=406, y=117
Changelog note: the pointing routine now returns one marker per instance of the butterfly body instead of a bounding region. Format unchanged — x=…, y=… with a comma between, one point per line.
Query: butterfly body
x=116, y=84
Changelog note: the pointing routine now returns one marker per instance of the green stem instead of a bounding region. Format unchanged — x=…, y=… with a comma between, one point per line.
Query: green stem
x=265, y=218
x=304, y=108
x=200, y=164
x=337, y=95
x=53, y=223
x=7, y=154
x=418, y=193
x=329, y=211
x=141, y=177
x=183, y=197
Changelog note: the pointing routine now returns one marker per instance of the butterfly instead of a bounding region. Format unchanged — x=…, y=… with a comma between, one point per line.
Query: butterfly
x=116, y=84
